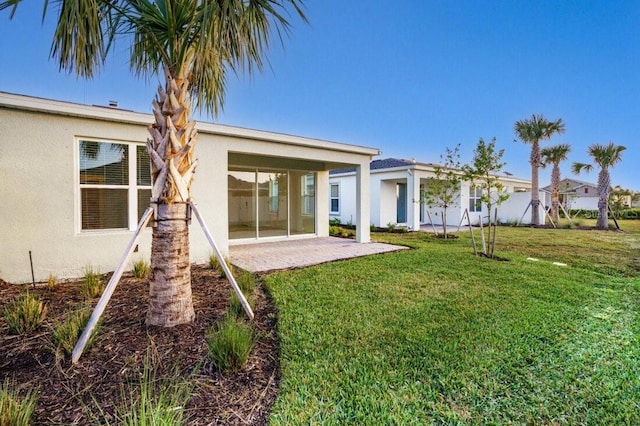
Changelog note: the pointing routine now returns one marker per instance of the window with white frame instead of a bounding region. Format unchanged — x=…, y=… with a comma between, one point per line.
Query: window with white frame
x=308, y=194
x=115, y=184
x=475, y=195
x=334, y=198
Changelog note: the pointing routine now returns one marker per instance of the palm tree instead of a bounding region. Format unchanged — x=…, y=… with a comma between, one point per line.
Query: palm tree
x=605, y=156
x=532, y=131
x=554, y=155
x=192, y=44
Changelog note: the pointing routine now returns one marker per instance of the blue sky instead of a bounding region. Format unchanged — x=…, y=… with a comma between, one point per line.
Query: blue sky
x=407, y=77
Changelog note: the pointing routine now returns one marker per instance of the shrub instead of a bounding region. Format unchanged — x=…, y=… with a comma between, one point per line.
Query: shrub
x=16, y=411
x=391, y=226
x=25, y=314
x=141, y=269
x=334, y=221
x=92, y=285
x=230, y=342
x=52, y=282
x=66, y=335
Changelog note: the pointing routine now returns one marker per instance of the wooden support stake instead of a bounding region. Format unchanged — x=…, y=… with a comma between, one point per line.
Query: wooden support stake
x=221, y=261
x=484, y=245
x=108, y=291
x=432, y=225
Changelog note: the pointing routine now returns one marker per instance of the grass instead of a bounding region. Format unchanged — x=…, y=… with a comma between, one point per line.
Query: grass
x=437, y=335
x=230, y=343
x=14, y=409
x=67, y=333
x=25, y=314
x=154, y=400
x=92, y=285
x=141, y=269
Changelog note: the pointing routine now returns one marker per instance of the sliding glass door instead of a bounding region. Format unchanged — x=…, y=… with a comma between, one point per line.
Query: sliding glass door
x=271, y=203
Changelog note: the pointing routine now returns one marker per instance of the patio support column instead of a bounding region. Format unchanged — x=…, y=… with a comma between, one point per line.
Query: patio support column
x=363, y=203
x=322, y=204
x=413, y=200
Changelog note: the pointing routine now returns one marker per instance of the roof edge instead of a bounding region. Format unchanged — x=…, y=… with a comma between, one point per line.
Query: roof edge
x=50, y=106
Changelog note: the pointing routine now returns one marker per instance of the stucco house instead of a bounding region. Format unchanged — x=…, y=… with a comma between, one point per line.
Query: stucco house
x=396, y=188
x=75, y=180
x=574, y=195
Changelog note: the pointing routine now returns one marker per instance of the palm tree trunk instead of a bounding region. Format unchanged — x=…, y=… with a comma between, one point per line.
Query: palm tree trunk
x=170, y=283
x=604, y=182
x=555, y=193
x=535, y=193
x=172, y=169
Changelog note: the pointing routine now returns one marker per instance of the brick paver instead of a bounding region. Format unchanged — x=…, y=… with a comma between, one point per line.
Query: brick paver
x=295, y=253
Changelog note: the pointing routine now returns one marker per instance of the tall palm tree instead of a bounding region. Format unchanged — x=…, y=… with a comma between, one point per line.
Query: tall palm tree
x=605, y=156
x=554, y=155
x=192, y=44
x=532, y=131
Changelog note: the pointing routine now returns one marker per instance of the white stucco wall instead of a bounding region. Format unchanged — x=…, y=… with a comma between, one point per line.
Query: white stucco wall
x=384, y=199
x=39, y=174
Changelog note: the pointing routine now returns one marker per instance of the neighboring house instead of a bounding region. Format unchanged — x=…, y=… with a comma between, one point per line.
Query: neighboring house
x=396, y=188
x=75, y=180
x=574, y=195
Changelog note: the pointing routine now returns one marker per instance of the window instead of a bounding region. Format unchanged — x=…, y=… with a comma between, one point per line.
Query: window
x=308, y=194
x=273, y=195
x=475, y=194
x=115, y=184
x=334, y=198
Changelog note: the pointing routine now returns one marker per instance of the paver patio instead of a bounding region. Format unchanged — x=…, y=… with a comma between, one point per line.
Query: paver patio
x=271, y=256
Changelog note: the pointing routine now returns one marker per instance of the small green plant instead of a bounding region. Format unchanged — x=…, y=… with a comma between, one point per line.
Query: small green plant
x=373, y=227
x=230, y=342
x=66, y=334
x=213, y=262
x=155, y=400
x=52, y=282
x=16, y=410
x=215, y=265
x=391, y=226
x=236, y=308
x=25, y=314
x=92, y=285
x=246, y=281
x=141, y=269
x=334, y=221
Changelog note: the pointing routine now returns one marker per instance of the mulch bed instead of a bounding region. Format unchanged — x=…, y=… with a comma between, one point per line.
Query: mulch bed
x=67, y=393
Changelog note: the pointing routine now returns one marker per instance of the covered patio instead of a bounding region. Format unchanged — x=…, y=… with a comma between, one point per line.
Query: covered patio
x=277, y=255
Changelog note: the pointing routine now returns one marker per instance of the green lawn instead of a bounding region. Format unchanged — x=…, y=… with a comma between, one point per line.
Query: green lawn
x=437, y=335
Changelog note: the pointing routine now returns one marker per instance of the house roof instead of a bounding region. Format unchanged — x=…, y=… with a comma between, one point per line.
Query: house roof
x=29, y=103
x=570, y=185
x=395, y=163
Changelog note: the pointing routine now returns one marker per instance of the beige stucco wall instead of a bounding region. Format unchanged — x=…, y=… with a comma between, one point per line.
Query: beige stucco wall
x=39, y=173
x=40, y=212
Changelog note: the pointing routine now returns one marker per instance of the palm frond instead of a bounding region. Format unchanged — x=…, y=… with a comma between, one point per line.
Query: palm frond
x=577, y=168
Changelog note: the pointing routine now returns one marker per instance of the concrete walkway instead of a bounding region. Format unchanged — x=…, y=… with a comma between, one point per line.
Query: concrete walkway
x=264, y=257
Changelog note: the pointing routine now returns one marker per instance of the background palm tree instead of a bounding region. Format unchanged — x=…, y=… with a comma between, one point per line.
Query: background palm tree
x=532, y=131
x=191, y=44
x=554, y=155
x=605, y=156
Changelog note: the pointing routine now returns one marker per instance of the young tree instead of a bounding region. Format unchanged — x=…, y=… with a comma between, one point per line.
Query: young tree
x=554, y=155
x=532, y=131
x=619, y=199
x=482, y=173
x=605, y=156
x=443, y=190
x=192, y=44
